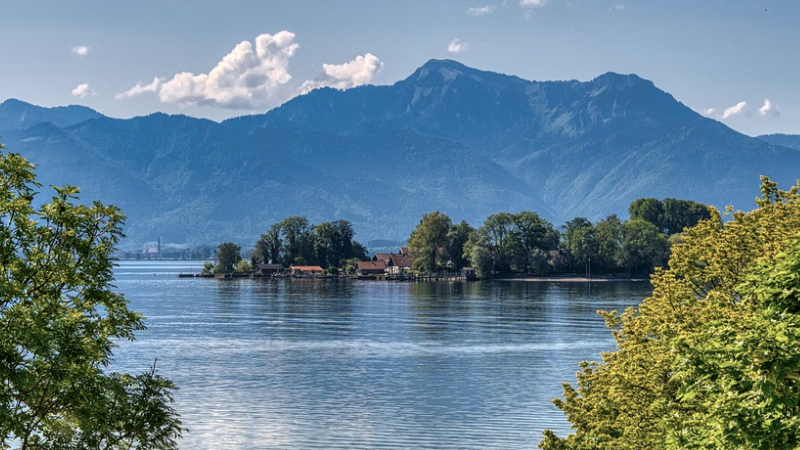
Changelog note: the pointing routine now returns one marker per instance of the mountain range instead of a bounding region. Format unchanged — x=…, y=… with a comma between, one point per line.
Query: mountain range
x=449, y=137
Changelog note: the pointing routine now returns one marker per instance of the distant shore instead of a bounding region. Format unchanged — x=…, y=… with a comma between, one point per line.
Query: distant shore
x=571, y=279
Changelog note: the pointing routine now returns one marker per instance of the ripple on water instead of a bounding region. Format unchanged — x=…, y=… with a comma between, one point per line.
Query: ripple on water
x=319, y=365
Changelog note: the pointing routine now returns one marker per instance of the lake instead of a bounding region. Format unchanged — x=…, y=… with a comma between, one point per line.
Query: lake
x=328, y=364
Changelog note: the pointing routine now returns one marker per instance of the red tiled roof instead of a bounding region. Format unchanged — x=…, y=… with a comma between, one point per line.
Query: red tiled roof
x=402, y=260
x=307, y=268
x=371, y=265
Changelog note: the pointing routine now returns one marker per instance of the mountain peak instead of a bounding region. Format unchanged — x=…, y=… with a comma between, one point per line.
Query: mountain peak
x=17, y=114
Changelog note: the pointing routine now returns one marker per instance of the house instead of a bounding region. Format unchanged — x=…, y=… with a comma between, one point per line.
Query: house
x=400, y=263
x=306, y=270
x=395, y=263
x=385, y=257
x=371, y=268
x=267, y=270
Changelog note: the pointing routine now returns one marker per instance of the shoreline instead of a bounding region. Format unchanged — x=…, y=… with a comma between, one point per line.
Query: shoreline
x=571, y=279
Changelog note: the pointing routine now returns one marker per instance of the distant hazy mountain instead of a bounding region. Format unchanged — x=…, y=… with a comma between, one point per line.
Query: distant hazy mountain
x=16, y=114
x=786, y=140
x=449, y=138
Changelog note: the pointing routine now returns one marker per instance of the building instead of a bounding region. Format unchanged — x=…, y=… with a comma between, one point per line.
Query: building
x=371, y=268
x=395, y=263
x=306, y=270
x=267, y=270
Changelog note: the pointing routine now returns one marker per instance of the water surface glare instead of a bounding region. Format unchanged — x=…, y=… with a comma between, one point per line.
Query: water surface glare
x=329, y=364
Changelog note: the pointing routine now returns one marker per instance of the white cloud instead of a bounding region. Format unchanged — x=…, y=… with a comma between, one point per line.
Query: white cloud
x=708, y=112
x=733, y=110
x=140, y=89
x=357, y=72
x=253, y=77
x=246, y=78
x=768, y=108
x=83, y=90
x=617, y=7
x=532, y=3
x=80, y=50
x=457, y=46
x=480, y=10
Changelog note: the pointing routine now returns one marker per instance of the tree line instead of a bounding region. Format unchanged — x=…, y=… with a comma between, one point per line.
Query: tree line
x=296, y=241
x=522, y=242
x=525, y=242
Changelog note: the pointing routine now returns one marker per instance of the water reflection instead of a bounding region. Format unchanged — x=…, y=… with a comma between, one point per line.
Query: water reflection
x=321, y=364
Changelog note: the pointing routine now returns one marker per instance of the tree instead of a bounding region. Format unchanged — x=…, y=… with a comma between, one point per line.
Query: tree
x=712, y=358
x=533, y=233
x=481, y=260
x=608, y=236
x=457, y=238
x=269, y=246
x=497, y=234
x=333, y=243
x=228, y=255
x=580, y=242
x=680, y=214
x=297, y=243
x=649, y=209
x=426, y=239
x=642, y=247
x=59, y=320
x=243, y=266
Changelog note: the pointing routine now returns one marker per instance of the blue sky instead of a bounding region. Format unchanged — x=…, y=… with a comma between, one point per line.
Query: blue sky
x=736, y=61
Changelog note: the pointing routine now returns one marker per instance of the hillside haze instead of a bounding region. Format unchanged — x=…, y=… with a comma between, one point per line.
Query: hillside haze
x=451, y=138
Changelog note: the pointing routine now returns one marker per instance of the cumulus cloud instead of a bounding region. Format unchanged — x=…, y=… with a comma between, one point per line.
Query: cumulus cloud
x=83, y=90
x=249, y=77
x=733, y=110
x=768, y=108
x=357, y=72
x=457, y=46
x=254, y=76
x=480, y=10
x=80, y=50
x=140, y=89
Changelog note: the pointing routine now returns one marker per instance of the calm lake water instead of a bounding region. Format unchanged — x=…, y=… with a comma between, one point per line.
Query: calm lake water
x=330, y=364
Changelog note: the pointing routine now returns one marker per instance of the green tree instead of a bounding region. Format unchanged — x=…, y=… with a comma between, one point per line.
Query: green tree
x=243, y=266
x=649, y=209
x=680, y=214
x=608, y=236
x=228, y=255
x=533, y=233
x=297, y=241
x=580, y=242
x=712, y=359
x=269, y=247
x=481, y=260
x=333, y=242
x=59, y=321
x=642, y=247
x=427, y=238
x=498, y=236
x=457, y=238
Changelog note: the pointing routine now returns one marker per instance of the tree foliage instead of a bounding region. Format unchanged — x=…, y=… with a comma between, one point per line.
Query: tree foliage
x=295, y=240
x=670, y=215
x=228, y=255
x=711, y=359
x=515, y=241
x=59, y=321
x=427, y=238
